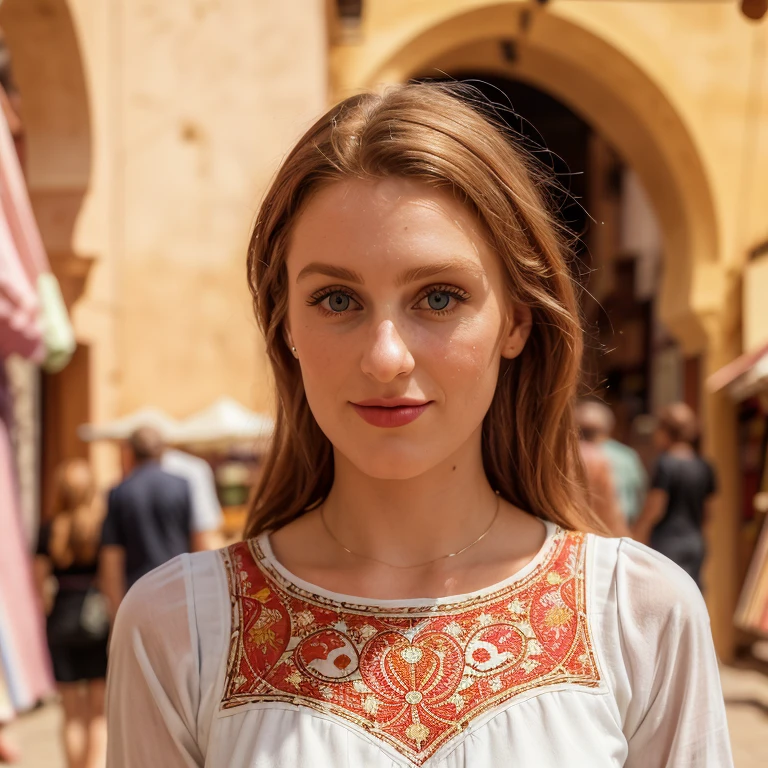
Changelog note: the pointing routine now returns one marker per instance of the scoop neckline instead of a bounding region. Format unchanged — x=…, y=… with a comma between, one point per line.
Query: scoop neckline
x=268, y=558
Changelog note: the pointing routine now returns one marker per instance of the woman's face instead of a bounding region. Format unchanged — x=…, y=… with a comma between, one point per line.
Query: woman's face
x=398, y=313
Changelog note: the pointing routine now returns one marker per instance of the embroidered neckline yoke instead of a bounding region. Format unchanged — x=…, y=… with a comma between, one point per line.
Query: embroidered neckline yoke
x=413, y=677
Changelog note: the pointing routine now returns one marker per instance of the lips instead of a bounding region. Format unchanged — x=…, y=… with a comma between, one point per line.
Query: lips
x=390, y=413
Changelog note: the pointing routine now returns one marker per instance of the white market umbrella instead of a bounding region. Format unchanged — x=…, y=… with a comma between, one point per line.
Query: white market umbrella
x=224, y=421
x=122, y=429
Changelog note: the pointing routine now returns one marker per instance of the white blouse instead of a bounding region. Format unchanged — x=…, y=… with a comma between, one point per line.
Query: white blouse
x=597, y=654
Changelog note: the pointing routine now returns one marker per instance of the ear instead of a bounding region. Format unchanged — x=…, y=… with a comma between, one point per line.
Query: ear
x=519, y=330
x=287, y=338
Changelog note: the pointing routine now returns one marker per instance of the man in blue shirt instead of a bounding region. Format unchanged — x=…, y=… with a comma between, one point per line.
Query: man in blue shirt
x=148, y=522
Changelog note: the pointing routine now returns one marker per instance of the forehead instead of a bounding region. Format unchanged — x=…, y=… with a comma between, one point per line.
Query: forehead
x=382, y=222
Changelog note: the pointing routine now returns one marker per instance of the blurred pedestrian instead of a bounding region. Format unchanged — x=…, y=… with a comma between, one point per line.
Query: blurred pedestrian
x=149, y=519
x=675, y=510
x=207, y=518
x=78, y=622
x=596, y=423
x=601, y=493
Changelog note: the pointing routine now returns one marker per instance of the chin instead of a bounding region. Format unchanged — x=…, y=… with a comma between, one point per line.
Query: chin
x=390, y=463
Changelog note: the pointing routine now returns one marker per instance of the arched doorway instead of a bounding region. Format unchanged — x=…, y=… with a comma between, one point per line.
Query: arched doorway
x=623, y=103
x=603, y=86
x=631, y=361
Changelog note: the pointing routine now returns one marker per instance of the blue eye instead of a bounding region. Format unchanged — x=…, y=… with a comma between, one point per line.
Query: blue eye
x=338, y=302
x=442, y=300
x=438, y=300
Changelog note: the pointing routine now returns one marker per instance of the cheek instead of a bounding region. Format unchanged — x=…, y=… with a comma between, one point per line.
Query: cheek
x=326, y=356
x=469, y=359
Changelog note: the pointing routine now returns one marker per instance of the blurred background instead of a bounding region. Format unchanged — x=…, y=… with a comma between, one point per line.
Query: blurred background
x=146, y=133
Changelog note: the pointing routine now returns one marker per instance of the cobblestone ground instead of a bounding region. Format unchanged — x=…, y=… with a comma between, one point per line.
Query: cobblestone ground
x=746, y=694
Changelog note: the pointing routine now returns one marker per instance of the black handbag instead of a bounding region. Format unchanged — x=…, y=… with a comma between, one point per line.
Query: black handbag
x=79, y=616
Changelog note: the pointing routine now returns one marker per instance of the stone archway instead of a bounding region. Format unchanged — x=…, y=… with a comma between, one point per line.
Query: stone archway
x=642, y=121
x=613, y=94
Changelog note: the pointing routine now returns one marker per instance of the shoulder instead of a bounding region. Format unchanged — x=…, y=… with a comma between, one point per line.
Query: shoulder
x=156, y=599
x=627, y=453
x=163, y=603
x=666, y=471
x=178, y=462
x=596, y=462
x=650, y=590
x=165, y=654
x=158, y=476
x=592, y=453
x=172, y=624
x=117, y=491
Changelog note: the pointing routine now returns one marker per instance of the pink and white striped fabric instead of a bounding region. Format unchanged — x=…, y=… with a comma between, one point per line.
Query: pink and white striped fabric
x=25, y=673
x=26, y=667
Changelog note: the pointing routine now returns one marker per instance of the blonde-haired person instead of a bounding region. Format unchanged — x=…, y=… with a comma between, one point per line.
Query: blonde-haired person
x=78, y=623
x=417, y=586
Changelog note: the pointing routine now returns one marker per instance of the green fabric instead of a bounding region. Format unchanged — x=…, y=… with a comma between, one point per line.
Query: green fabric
x=629, y=477
x=58, y=335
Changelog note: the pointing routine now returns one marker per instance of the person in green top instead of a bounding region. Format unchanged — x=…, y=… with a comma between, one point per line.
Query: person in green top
x=596, y=422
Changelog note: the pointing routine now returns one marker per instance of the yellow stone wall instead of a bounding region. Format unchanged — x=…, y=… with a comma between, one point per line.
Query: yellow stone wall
x=755, y=301
x=212, y=96
x=170, y=125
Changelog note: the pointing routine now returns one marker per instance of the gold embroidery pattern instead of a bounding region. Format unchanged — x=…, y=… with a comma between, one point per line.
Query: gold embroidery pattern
x=413, y=677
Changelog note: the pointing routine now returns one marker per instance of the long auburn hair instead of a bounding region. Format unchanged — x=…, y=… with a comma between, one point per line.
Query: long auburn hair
x=432, y=134
x=76, y=516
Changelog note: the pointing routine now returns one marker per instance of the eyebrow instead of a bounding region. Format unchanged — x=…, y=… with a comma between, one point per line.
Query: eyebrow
x=430, y=270
x=408, y=276
x=330, y=270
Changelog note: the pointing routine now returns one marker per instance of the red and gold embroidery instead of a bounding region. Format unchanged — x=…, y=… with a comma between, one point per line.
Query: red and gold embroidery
x=412, y=677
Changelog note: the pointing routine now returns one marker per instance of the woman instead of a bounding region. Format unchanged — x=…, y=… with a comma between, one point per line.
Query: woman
x=674, y=515
x=77, y=623
x=413, y=589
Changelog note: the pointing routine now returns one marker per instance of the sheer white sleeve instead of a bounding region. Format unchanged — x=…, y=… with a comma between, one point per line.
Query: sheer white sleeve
x=675, y=716
x=153, y=685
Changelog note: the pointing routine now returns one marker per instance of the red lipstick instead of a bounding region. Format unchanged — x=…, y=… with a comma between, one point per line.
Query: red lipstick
x=396, y=412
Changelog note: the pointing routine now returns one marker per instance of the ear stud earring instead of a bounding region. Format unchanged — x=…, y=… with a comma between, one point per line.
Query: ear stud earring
x=294, y=352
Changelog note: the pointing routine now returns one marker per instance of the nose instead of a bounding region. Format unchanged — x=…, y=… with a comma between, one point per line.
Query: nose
x=387, y=356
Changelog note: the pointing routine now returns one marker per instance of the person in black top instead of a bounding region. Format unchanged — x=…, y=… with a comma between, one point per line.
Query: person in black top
x=148, y=519
x=675, y=511
x=78, y=624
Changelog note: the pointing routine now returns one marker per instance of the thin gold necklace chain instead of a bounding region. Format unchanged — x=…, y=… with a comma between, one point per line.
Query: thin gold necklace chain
x=418, y=565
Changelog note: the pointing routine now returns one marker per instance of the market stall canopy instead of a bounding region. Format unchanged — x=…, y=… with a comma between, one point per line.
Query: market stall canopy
x=745, y=377
x=224, y=422
x=121, y=429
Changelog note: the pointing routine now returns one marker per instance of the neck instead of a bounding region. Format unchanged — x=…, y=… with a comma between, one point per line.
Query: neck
x=414, y=520
x=681, y=448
